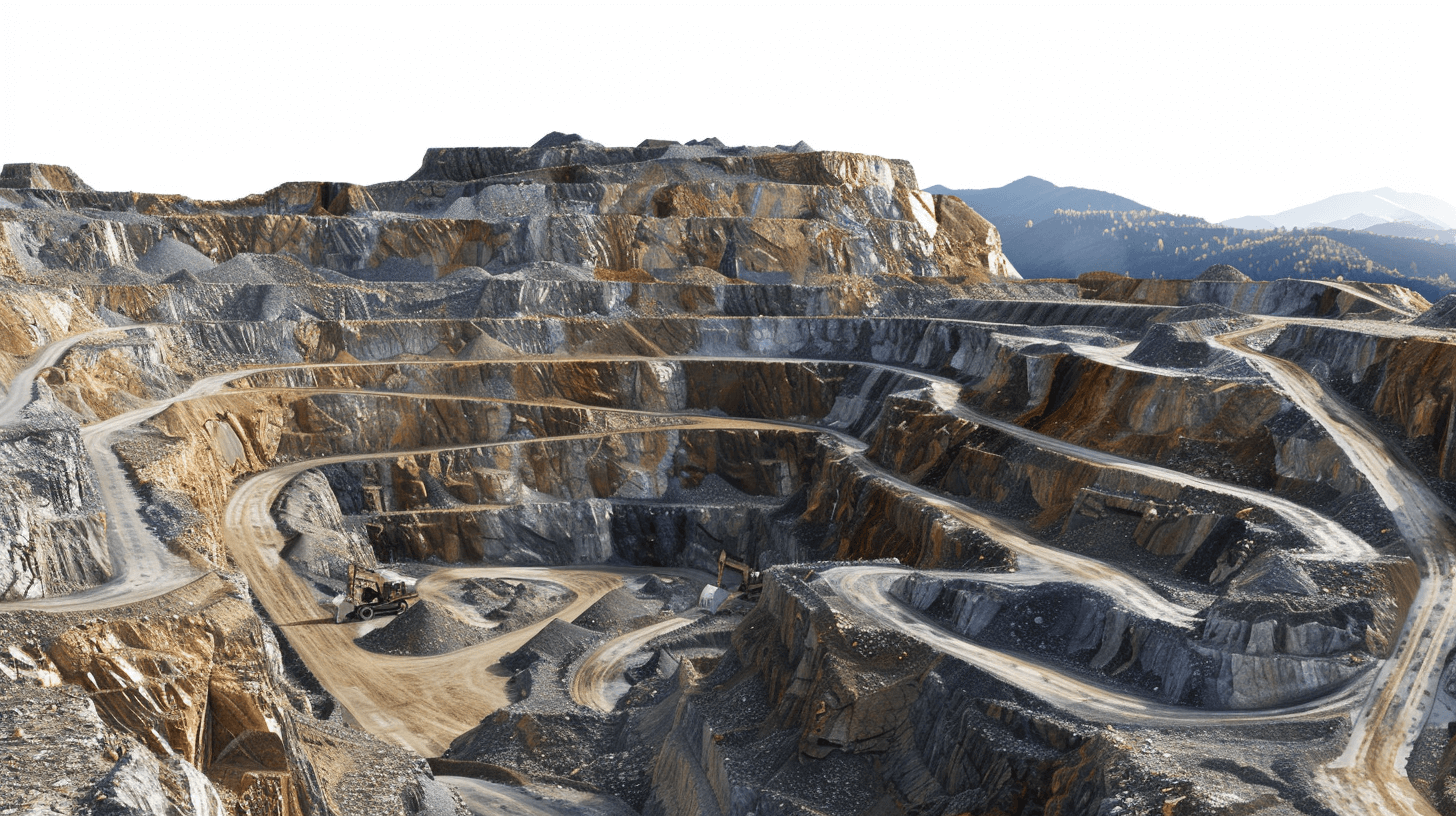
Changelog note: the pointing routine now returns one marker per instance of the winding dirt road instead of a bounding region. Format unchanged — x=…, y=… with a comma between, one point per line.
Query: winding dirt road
x=598, y=681
x=419, y=702
x=868, y=589
x=1370, y=775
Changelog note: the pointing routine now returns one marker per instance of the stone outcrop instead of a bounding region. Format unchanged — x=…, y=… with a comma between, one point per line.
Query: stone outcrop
x=1245, y=656
x=937, y=737
x=42, y=177
x=308, y=516
x=1403, y=380
x=661, y=213
x=52, y=527
x=190, y=714
x=1293, y=298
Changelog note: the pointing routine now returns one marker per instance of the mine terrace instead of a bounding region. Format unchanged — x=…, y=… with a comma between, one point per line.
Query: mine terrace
x=696, y=479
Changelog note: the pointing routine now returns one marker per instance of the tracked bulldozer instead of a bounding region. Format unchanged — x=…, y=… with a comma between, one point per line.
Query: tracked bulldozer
x=372, y=593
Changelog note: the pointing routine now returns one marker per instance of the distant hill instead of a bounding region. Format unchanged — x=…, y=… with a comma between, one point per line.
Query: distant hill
x=1032, y=199
x=1358, y=211
x=1075, y=230
x=1406, y=229
x=1148, y=243
x=1251, y=222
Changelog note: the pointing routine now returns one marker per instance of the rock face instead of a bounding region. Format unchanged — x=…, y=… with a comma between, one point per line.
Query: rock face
x=52, y=528
x=308, y=514
x=1099, y=546
x=42, y=177
x=672, y=213
x=1293, y=298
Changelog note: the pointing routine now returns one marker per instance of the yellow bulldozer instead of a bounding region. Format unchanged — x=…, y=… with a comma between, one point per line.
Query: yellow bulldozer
x=371, y=593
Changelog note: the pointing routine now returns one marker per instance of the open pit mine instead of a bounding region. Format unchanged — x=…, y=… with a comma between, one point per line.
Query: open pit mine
x=692, y=479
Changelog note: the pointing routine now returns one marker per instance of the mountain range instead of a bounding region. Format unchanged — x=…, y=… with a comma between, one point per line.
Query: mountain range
x=1359, y=211
x=1032, y=199
x=1050, y=231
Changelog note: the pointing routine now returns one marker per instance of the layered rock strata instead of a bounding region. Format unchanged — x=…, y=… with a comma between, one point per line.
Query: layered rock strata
x=1030, y=547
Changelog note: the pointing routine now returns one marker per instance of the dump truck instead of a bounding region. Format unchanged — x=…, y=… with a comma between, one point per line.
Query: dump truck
x=371, y=593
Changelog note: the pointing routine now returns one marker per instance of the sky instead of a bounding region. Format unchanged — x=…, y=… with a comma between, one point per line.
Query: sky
x=1208, y=109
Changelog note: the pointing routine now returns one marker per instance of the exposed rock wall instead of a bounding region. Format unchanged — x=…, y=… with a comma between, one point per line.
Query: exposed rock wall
x=1407, y=381
x=941, y=737
x=308, y=515
x=195, y=715
x=195, y=690
x=87, y=766
x=1292, y=298
x=42, y=177
x=798, y=218
x=115, y=374
x=209, y=443
x=1070, y=499
x=52, y=525
x=1239, y=660
x=33, y=316
x=1241, y=432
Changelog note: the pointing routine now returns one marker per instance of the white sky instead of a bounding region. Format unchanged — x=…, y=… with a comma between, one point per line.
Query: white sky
x=1210, y=109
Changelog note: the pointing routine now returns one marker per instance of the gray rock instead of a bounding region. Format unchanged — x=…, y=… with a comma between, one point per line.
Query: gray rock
x=170, y=256
x=133, y=787
x=1223, y=272
x=558, y=139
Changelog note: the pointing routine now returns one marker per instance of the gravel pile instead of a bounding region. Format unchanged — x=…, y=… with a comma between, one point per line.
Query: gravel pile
x=1442, y=315
x=547, y=270
x=1172, y=345
x=485, y=347
x=1223, y=272
x=170, y=256
x=122, y=275
x=674, y=594
x=616, y=611
x=1185, y=346
x=558, y=641
x=249, y=268
x=1274, y=572
x=512, y=604
x=421, y=630
x=1210, y=318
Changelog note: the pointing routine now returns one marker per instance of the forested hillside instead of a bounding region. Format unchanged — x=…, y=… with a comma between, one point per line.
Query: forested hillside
x=1146, y=243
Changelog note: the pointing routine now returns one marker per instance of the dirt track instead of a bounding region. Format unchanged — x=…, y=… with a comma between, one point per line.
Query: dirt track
x=1370, y=774
x=593, y=681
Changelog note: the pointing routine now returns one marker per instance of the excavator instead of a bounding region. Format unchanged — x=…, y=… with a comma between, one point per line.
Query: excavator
x=371, y=593
x=713, y=596
x=752, y=580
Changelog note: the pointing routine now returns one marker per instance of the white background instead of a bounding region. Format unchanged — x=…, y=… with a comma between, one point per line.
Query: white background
x=1210, y=109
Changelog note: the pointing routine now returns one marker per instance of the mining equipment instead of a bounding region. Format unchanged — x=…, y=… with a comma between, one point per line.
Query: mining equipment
x=371, y=593
x=752, y=579
x=713, y=596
